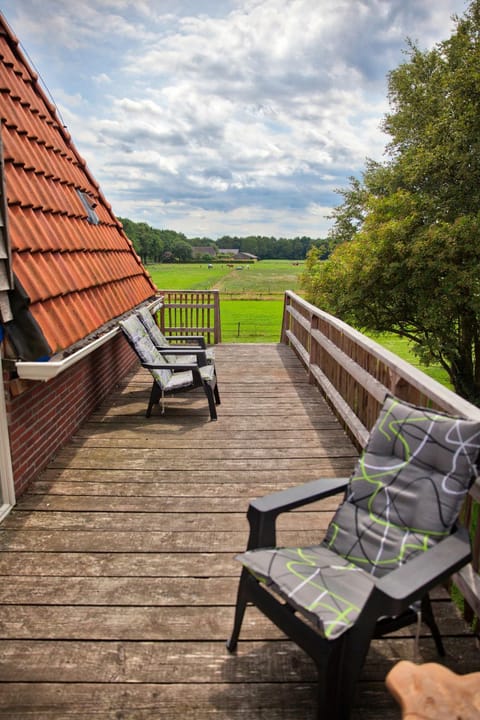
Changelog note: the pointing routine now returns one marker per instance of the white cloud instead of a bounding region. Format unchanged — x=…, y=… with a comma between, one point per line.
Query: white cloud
x=102, y=79
x=230, y=117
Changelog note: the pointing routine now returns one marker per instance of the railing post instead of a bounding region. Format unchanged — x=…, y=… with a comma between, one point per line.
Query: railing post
x=314, y=354
x=285, y=319
x=217, y=323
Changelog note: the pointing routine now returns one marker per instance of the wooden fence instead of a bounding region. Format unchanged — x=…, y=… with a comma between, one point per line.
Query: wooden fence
x=354, y=373
x=191, y=312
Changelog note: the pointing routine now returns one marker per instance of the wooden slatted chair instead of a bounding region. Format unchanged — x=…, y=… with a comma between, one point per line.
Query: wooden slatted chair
x=392, y=539
x=169, y=377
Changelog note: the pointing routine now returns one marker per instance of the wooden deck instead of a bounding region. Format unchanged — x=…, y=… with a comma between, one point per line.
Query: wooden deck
x=118, y=577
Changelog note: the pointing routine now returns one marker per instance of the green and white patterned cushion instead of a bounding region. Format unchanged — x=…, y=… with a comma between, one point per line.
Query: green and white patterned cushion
x=407, y=488
x=207, y=372
x=327, y=589
x=404, y=496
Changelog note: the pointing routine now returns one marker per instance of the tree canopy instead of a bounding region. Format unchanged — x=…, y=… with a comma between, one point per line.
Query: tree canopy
x=407, y=233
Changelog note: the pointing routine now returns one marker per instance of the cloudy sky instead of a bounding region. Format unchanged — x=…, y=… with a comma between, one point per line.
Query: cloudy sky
x=224, y=117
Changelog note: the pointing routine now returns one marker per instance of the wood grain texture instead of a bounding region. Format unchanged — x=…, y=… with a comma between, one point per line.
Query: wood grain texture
x=118, y=576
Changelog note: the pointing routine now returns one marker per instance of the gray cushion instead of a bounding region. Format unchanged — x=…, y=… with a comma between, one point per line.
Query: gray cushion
x=327, y=589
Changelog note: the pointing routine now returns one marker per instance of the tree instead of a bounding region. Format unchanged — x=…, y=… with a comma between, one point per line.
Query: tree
x=182, y=250
x=408, y=256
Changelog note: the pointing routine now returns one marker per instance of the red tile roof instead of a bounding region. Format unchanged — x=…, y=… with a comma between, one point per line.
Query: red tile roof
x=78, y=275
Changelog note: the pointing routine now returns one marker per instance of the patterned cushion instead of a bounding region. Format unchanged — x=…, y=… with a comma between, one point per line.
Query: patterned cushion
x=152, y=328
x=207, y=372
x=160, y=340
x=404, y=495
x=178, y=380
x=324, y=587
x=146, y=350
x=376, y=545
x=407, y=488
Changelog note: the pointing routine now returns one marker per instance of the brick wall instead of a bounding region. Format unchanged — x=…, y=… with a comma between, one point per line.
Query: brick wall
x=43, y=417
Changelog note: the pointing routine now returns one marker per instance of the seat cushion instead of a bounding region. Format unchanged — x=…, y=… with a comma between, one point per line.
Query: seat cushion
x=207, y=372
x=325, y=588
x=178, y=380
x=188, y=359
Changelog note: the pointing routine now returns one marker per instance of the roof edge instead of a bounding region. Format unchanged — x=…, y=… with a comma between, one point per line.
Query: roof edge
x=45, y=371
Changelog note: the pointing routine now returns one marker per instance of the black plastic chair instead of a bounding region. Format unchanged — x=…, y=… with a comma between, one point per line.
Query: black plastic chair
x=393, y=538
x=170, y=377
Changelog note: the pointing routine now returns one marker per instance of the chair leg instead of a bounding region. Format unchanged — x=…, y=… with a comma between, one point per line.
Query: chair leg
x=242, y=596
x=155, y=395
x=331, y=700
x=339, y=671
x=217, y=394
x=429, y=619
x=211, y=401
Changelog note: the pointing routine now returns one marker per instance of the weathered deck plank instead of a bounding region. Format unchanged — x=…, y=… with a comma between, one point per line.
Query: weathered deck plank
x=118, y=571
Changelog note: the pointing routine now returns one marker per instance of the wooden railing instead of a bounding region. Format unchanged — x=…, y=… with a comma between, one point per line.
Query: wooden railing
x=355, y=373
x=191, y=312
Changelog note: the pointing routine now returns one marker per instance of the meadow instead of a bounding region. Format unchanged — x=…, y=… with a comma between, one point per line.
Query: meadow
x=251, y=300
x=268, y=277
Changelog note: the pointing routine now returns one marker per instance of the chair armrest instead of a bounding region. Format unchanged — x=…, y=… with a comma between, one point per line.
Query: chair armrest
x=181, y=350
x=412, y=580
x=199, y=339
x=201, y=355
x=262, y=512
x=169, y=366
x=175, y=349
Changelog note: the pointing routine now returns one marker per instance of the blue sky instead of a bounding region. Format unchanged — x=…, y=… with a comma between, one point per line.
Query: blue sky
x=225, y=117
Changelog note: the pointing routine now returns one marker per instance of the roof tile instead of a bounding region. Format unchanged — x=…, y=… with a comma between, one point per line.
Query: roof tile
x=78, y=275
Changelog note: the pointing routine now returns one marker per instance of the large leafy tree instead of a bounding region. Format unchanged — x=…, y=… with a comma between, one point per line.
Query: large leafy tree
x=408, y=233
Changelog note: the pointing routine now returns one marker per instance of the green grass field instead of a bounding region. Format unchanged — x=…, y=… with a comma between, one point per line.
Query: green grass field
x=258, y=279
x=251, y=320
x=185, y=277
x=251, y=301
x=401, y=347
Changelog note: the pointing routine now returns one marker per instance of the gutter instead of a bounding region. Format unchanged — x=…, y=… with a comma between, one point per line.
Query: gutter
x=48, y=370
x=45, y=371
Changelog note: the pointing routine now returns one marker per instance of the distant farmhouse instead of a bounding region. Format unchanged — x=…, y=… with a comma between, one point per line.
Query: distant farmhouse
x=216, y=253
x=202, y=251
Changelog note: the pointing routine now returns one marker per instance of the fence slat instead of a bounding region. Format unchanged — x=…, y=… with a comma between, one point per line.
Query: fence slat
x=189, y=312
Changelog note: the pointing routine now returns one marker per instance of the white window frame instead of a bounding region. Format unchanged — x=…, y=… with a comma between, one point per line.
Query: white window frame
x=7, y=487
